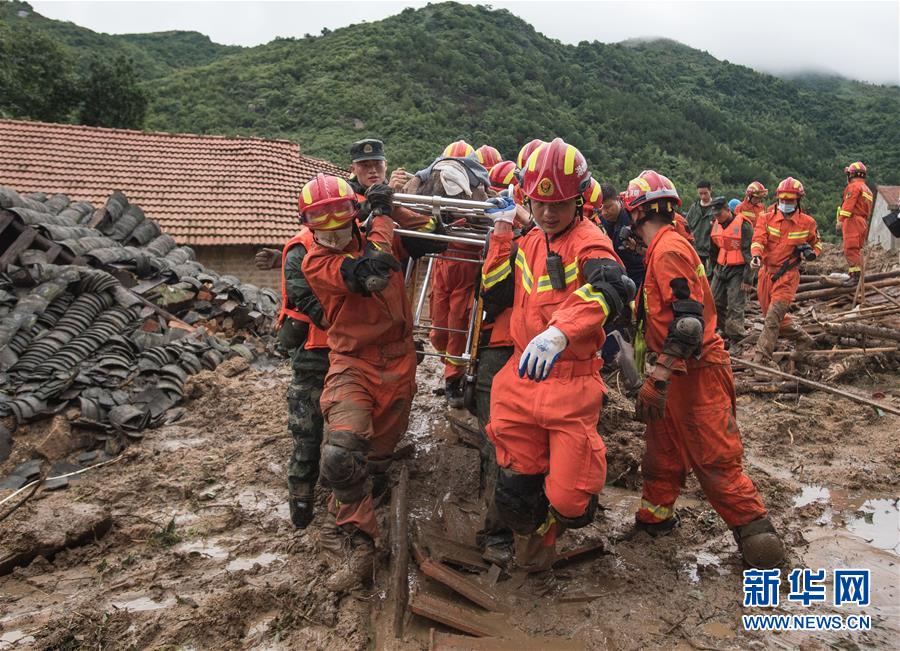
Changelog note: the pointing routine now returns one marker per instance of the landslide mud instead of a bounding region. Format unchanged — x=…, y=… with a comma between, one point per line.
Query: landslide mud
x=201, y=553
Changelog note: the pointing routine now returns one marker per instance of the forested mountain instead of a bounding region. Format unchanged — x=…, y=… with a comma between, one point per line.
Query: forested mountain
x=426, y=77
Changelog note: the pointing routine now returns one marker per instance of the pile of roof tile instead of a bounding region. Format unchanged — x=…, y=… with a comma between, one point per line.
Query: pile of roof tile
x=97, y=315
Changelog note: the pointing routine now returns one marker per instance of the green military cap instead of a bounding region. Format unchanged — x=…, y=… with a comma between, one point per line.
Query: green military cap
x=718, y=203
x=368, y=149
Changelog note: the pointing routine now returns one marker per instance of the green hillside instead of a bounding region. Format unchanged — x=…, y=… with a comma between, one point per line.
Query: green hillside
x=154, y=55
x=426, y=77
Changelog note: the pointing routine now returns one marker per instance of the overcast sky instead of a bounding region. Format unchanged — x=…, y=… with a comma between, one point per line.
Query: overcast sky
x=860, y=40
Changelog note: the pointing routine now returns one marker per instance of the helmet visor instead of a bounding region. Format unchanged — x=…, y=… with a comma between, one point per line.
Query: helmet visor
x=330, y=215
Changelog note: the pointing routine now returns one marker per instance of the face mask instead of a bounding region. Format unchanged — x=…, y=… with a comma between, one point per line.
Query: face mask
x=787, y=208
x=334, y=240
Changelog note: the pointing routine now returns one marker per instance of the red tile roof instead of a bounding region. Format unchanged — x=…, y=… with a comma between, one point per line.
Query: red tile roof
x=203, y=190
x=891, y=194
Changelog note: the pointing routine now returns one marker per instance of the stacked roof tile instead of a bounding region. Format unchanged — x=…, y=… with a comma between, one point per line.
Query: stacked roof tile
x=202, y=190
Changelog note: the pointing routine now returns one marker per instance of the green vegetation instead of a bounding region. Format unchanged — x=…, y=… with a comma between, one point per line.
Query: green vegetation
x=426, y=77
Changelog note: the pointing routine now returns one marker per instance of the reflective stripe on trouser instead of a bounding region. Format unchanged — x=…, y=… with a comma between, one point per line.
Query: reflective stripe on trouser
x=550, y=428
x=730, y=299
x=452, y=296
x=304, y=413
x=698, y=432
x=784, y=289
x=372, y=400
x=853, y=231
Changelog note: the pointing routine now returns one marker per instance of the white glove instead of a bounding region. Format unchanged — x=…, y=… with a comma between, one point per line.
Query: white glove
x=541, y=354
x=505, y=210
x=755, y=262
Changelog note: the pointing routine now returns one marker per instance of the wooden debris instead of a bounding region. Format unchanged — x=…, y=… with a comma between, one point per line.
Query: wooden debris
x=449, y=642
x=447, y=550
x=857, y=329
x=400, y=550
x=742, y=388
x=578, y=553
x=458, y=582
x=817, y=385
x=462, y=618
x=844, y=290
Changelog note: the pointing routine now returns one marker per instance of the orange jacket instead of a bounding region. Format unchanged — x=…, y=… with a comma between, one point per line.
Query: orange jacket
x=776, y=238
x=578, y=310
x=359, y=322
x=749, y=211
x=670, y=257
x=728, y=240
x=857, y=200
x=315, y=338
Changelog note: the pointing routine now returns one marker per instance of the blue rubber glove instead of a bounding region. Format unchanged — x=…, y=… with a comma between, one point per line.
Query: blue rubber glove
x=505, y=210
x=541, y=354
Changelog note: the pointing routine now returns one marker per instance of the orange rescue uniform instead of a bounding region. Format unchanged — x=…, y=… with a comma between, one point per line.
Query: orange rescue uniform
x=698, y=431
x=550, y=427
x=749, y=211
x=853, y=216
x=372, y=377
x=775, y=240
x=452, y=297
x=316, y=338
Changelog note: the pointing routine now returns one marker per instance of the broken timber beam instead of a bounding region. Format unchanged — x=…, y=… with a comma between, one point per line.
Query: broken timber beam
x=817, y=385
x=888, y=334
x=462, y=618
x=400, y=550
x=458, y=582
x=841, y=291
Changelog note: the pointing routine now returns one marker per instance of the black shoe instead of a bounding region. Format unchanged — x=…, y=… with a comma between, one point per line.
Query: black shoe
x=302, y=510
x=657, y=529
x=455, y=390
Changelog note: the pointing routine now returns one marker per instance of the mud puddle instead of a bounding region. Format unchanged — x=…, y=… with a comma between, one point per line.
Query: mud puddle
x=873, y=517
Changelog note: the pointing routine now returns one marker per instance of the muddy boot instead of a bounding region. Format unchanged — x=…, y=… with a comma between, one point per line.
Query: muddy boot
x=454, y=390
x=656, y=529
x=495, y=539
x=765, y=345
x=350, y=553
x=802, y=340
x=301, y=500
x=531, y=553
x=759, y=544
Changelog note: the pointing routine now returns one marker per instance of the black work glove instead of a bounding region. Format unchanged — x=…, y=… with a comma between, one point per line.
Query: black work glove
x=371, y=272
x=808, y=253
x=380, y=199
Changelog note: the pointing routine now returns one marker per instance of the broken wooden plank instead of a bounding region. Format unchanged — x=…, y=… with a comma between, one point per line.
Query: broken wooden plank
x=857, y=329
x=458, y=582
x=400, y=550
x=579, y=553
x=448, y=550
x=450, y=642
x=462, y=618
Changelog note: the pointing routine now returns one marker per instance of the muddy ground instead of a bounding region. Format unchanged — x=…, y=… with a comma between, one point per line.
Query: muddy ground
x=201, y=553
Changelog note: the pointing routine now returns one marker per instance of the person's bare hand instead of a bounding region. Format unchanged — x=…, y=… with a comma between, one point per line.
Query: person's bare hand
x=399, y=178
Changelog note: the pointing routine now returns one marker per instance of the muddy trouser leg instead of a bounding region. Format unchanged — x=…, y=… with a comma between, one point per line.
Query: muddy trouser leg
x=720, y=296
x=490, y=361
x=703, y=421
x=305, y=420
x=737, y=301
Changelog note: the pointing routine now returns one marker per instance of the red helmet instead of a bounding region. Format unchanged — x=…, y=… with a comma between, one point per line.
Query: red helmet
x=502, y=174
x=593, y=195
x=757, y=189
x=651, y=187
x=488, y=156
x=327, y=203
x=790, y=188
x=855, y=169
x=525, y=152
x=555, y=171
x=458, y=149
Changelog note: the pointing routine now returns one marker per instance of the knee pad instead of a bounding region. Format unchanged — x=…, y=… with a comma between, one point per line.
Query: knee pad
x=520, y=501
x=582, y=520
x=343, y=465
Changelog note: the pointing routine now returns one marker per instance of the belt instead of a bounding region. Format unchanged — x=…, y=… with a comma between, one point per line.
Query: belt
x=380, y=352
x=566, y=368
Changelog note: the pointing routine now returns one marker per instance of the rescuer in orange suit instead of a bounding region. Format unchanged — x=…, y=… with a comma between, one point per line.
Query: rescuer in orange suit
x=754, y=203
x=782, y=236
x=453, y=294
x=368, y=391
x=563, y=281
x=853, y=217
x=688, y=399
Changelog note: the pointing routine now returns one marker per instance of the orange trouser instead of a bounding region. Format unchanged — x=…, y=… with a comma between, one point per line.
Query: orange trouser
x=370, y=397
x=550, y=428
x=854, y=232
x=783, y=289
x=698, y=432
x=452, y=295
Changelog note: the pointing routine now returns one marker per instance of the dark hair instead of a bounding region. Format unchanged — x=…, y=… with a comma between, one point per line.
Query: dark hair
x=703, y=183
x=608, y=191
